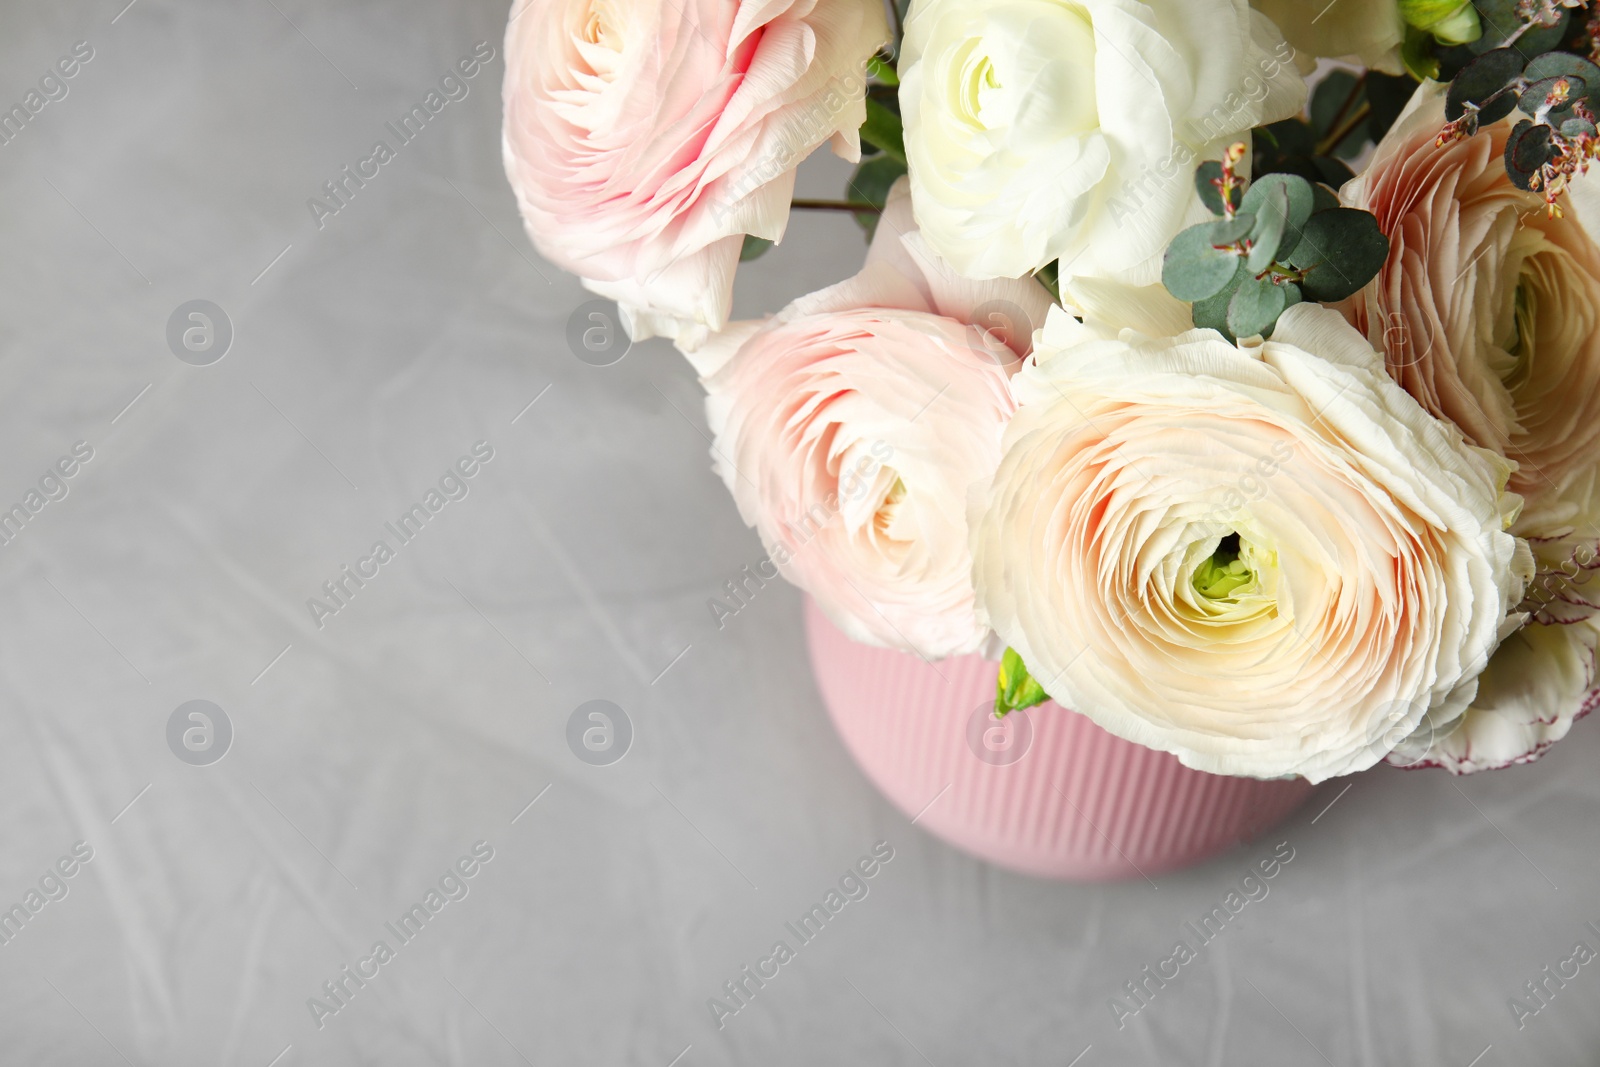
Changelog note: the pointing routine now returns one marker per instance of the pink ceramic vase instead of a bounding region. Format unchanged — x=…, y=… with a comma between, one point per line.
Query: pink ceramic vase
x=1044, y=791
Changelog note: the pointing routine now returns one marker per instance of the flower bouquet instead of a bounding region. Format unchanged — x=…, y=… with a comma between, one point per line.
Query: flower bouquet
x=1223, y=372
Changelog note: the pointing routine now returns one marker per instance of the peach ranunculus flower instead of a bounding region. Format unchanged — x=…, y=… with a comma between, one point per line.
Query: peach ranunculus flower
x=1266, y=559
x=644, y=139
x=1488, y=312
x=850, y=426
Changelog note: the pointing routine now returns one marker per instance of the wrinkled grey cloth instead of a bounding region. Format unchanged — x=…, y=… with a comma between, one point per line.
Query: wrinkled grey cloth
x=379, y=749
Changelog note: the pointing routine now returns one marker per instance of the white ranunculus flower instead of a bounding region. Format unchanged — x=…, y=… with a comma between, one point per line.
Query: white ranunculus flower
x=1368, y=30
x=1039, y=130
x=1268, y=559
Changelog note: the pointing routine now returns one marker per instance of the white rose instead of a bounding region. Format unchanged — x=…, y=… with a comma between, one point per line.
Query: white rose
x=1368, y=30
x=1039, y=130
x=1248, y=556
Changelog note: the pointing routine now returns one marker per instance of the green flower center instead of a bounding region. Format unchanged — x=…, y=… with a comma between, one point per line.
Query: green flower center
x=1222, y=575
x=1522, y=335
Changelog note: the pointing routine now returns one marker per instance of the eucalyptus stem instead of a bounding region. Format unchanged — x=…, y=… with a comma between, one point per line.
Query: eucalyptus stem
x=896, y=26
x=1349, y=101
x=836, y=205
x=1334, y=139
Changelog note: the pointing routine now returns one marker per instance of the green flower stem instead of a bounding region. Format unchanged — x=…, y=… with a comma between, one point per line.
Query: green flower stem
x=1332, y=141
x=1349, y=101
x=1288, y=274
x=836, y=205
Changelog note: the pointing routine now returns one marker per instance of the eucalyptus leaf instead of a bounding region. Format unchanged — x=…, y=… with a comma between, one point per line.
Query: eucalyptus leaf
x=1478, y=83
x=1329, y=97
x=1541, y=39
x=1229, y=231
x=1328, y=169
x=1501, y=21
x=753, y=248
x=1335, y=100
x=1535, y=94
x=1340, y=250
x=870, y=184
x=1290, y=137
x=1527, y=149
x=1388, y=94
x=1208, y=172
x=1559, y=64
x=1255, y=306
x=1291, y=211
x=883, y=129
x=1192, y=268
x=1272, y=220
x=1324, y=198
x=1352, y=144
x=1212, y=312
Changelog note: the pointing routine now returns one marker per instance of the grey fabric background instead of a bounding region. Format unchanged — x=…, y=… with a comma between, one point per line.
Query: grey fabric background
x=371, y=753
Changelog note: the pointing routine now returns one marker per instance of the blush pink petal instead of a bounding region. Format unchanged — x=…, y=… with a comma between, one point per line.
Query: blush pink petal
x=1488, y=313
x=850, y=426
x=643, y=139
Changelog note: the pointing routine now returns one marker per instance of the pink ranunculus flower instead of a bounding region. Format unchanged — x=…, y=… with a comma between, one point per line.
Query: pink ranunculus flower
x=1488, y=313
x=645, y=139
x=850, y=426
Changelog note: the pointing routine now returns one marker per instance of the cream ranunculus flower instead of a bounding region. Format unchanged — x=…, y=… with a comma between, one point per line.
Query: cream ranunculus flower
x=1248, y=556
x=850, y=426
x=1368, y=30
x=1488, y=312
x=644, y=139
x=1039, y=130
